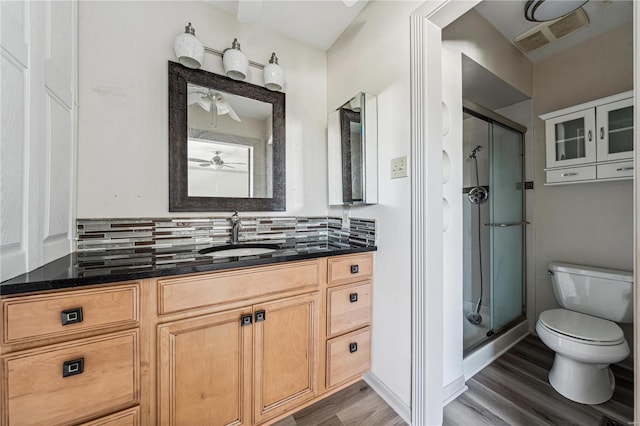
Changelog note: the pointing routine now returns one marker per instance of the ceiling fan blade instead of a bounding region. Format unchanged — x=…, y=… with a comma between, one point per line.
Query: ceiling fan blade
x=224, y=108
x=226, y=162
x=199, y=160
x=207, y=164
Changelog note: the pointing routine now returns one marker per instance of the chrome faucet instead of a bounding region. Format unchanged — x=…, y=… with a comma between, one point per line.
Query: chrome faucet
x=235, y=228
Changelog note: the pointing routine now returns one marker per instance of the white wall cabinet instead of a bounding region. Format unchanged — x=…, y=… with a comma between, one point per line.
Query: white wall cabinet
x=591, y=141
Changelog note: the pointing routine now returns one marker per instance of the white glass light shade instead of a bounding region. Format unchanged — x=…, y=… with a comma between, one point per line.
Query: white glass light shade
x=273, y=77
x=235, y=62
x=189, y=50
x=548, y=10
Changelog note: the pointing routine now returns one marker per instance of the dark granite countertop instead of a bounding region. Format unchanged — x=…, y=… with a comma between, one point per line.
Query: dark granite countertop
x=103, y=267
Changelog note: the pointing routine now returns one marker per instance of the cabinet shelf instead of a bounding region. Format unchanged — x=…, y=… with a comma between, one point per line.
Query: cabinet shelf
x=622, y=129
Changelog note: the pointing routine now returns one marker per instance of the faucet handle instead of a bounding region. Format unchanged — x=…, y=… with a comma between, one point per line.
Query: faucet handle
x=235, y=218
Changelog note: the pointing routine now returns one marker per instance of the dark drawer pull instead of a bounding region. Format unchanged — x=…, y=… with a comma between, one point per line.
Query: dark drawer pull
x=73, y=367
x=355, y=269
x=353, y=347
x=246, y=320
x=261, y=316
x=353, y=297
x=71, y=316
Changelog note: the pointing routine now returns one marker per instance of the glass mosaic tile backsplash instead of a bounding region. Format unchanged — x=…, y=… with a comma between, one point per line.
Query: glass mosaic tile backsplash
x=142, y=235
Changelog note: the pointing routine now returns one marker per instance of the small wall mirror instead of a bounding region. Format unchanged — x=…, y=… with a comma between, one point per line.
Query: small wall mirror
x=226, y=144
x=353, y=151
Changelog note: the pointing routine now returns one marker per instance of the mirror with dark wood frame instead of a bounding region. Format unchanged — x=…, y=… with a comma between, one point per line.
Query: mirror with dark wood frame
x=226, y=144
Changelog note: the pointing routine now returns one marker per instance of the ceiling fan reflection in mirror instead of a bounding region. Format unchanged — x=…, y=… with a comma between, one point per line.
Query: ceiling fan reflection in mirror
x=216, y=161
x=210, y=101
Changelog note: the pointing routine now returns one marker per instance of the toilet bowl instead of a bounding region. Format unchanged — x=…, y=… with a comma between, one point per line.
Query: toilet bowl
x=584, y=347
x=582, y=333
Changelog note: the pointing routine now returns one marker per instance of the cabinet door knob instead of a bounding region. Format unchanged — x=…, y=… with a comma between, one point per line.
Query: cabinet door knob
x=355, y=269
x=73, y=367
x=601, y=132
x=71, y=316
x=260, y=316
x=353, y=297
x=353, y=347
x=246, y=320
x=589, y=135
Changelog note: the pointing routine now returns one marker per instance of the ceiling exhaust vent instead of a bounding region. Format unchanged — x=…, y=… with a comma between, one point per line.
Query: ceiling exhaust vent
x=549, y=32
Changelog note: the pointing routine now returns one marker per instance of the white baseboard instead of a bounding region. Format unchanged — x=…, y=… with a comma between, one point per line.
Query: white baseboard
x=453, y=390
x=390, y=397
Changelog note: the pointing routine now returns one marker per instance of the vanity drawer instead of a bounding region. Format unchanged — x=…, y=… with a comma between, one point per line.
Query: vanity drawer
x=348, y=307
x=615, y=170
x=180, y=294
x=52, y=315
x=348, y=269
x=106, y=377
x=571, y=174
x=348, y=356
x=130, y=417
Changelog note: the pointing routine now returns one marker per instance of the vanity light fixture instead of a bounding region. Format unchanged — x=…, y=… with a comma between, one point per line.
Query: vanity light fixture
x=235, y=62
x=188, y=48
x=273, y=74
x=548, y=10
x=190, y=52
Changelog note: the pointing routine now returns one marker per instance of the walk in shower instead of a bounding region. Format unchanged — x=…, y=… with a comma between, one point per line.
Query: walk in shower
x=493, y=224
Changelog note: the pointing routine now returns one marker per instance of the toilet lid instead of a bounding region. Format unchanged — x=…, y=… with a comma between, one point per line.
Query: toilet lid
x=581, y=326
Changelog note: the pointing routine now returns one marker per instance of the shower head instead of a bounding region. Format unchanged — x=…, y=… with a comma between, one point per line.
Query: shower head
x=474, y=151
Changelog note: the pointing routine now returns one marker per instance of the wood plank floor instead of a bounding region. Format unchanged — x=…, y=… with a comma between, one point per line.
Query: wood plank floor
x=353, y=406
x=513, y=390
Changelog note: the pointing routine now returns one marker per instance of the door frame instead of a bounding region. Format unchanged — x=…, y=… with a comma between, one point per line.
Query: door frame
x=426, y=25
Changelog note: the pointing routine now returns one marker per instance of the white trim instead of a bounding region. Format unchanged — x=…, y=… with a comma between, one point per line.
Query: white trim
x=636, y=211
x=488, y=353
x=389, y=396
x=454, y=390
x=587, y=105
x=426, y=206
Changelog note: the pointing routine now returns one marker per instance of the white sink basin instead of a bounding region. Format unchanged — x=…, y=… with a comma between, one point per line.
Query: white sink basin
x=234, y=252
x=238, y=250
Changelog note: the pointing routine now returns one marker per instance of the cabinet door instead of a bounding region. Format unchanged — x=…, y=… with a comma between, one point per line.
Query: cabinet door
x=615, y=130
x=286, y=335
x=204, y=372
x=571, y=139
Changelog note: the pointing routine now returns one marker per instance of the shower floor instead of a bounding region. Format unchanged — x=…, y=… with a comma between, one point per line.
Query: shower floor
x=474, y=334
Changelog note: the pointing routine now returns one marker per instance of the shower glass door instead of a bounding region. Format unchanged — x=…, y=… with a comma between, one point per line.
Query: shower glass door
x=506, y=225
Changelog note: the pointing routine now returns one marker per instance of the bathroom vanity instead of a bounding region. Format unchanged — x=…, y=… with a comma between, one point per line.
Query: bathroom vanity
x=244, y=340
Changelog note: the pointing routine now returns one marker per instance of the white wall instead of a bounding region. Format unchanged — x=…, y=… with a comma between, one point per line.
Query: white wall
x=372, y=55
x=473, y=35
x=123, y=147
x=591, y=223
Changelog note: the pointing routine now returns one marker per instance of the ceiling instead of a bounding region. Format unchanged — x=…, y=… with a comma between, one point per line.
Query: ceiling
x=508, y=18
x=317, y=23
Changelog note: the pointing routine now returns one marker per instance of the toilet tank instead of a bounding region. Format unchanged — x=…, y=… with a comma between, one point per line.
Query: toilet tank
x=603, y=293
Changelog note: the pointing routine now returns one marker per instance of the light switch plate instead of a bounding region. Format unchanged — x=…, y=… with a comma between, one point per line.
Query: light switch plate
x=399, y=167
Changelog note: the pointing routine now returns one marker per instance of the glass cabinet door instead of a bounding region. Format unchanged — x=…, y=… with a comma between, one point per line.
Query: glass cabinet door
x=615, y=130
x=570, y=139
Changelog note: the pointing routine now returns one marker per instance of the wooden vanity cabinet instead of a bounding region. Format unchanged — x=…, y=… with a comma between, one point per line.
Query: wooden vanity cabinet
x=70, y=356
x=348, y=318
x=244, y=365
x=243, y=346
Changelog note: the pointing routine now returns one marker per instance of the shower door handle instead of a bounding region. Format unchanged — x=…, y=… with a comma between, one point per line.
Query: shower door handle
x=506, y=225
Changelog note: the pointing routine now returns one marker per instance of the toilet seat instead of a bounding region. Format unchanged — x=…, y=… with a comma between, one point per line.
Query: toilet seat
x=581, y=328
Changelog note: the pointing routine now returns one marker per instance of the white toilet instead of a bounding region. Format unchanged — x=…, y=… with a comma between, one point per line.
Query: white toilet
x=583, y=334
